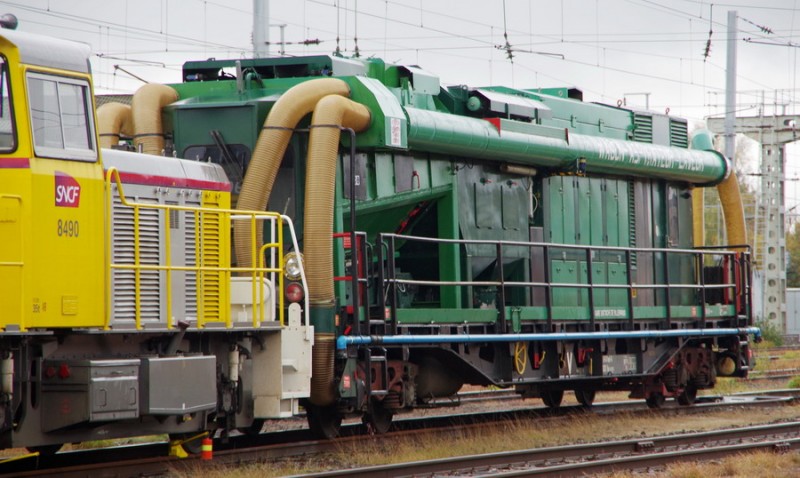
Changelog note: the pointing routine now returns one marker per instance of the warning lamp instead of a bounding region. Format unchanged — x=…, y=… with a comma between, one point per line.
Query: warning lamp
x=63, y=371
x=294, y=292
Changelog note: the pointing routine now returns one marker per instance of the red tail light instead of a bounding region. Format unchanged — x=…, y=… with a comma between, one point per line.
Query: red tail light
x=294, y=292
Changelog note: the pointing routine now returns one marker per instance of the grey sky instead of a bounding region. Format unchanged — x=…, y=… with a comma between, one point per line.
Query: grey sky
x=609, y=47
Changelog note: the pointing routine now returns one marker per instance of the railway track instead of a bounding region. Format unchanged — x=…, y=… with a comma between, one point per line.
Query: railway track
x=775, y=374
x=152, y=459
x=577, y=460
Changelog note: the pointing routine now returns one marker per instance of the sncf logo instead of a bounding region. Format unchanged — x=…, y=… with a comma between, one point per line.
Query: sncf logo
x=68, y=191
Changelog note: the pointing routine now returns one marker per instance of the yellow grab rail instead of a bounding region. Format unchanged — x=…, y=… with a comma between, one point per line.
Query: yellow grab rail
x=17, y=264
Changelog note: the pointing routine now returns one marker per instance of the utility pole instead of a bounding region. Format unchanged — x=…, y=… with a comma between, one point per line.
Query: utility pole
x=730, y=88
x=260, y=28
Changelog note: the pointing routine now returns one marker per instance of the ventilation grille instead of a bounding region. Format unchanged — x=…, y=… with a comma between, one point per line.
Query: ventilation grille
x=632, y=220
x=174, y=216
x=678, y=133
x=190, y=259
x=642, y=128
x=123, y=253
x=211, y=255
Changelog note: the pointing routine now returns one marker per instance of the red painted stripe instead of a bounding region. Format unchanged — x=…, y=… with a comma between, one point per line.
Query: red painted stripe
x=153, y=180
x=136, y=178
x=15, y=163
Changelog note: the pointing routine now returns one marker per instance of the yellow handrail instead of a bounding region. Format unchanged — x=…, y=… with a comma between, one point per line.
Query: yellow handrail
x=257, y=273
x=17, y=264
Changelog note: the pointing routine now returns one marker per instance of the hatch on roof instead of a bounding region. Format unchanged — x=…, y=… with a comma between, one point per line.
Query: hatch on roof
x=513, y=105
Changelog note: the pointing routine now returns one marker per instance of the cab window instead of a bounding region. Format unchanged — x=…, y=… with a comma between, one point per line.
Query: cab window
x=8, y=138
x=61, y=118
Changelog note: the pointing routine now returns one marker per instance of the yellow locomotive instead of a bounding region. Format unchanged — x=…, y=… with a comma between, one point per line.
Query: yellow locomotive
x=121, y=313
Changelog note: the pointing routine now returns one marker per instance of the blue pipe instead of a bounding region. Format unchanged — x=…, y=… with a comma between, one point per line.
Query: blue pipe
x=344, y=340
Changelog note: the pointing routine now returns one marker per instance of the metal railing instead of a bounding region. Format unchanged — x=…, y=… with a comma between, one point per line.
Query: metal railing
x=274, y=270
x=20, y=264
x=737, y=264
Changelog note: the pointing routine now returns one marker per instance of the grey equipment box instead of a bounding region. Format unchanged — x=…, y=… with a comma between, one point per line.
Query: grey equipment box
x=76, y=391
x=178, y=385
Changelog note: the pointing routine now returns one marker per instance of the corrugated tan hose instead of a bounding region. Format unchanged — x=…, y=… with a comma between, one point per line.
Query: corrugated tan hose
x=323, y=150
x=729, y=196
x=113, y=120
x=147, y=104
x=268, y=153
x=733, y=210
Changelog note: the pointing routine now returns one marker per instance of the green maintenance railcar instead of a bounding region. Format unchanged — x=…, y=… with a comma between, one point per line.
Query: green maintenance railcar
x=457, y=235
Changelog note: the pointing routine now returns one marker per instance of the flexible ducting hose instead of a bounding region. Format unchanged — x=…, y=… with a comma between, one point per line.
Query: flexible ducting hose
x=733, y=210
x=268, y=153
x=146, y=105
x=113, y=120
x=323, y=149
x=330, y=113
x=729, y=196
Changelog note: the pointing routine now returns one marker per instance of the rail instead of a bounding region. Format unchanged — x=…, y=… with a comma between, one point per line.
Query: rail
x=258, y=274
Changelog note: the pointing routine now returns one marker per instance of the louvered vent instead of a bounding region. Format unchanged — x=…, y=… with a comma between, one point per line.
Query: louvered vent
x=123, y=252
x=678, y=133
x=190, y=258
x=174, y=216
x=632, y=220
x=642, y=128
x=211, y=256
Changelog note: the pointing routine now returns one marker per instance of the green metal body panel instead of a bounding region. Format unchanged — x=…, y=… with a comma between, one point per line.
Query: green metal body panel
x=564, y=272
x=617, y=275
x=388, y=125
x=658, y=313
x=599, y=276
x=192, y=122
x=449, y=263
x=436, y=316
x=580, y=117
x=493, y=207
x=591, y=212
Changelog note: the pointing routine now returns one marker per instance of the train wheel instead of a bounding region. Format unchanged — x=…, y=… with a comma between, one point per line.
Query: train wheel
x=655, y=400
x=378, y=419
x=45, y=450
x=324, y=422
x=552, y=398
x=688, y=395
x=254, y=428
x=585, y=397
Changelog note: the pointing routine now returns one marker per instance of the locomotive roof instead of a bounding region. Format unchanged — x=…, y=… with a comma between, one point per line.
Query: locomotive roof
x=49, y=52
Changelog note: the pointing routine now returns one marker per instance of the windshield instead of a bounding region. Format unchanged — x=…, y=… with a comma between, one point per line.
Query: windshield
x=7, y=136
